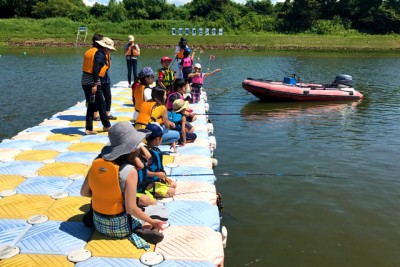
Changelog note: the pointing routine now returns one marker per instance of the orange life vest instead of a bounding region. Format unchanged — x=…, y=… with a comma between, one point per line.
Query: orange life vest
x=144, y=116
x=88, y=62
x=138, y=94
x=103, y=180
x=180, y=54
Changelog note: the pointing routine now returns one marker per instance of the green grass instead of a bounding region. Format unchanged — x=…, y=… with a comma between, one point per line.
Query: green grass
x=158, y=33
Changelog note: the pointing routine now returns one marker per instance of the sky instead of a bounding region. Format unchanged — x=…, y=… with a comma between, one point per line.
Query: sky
x=176, y=2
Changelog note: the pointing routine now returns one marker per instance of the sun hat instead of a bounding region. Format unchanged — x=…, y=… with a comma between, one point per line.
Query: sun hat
x=131, y=38
x=163, y=59
x=146, y=71
x=179, y=104
x=107, y=43
x=123, y=140
x=197, y=65
x=156, y=130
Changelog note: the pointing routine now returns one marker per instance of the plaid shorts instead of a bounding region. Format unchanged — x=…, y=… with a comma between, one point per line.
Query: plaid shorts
x=119, y=227
x=196, y=91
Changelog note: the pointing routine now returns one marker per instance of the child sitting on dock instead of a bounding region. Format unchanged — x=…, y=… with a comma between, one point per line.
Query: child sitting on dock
x=197, y=78
x=162, y=186
x=177, y=116
x=179, y=90
x=144, y=197
x=111, y=183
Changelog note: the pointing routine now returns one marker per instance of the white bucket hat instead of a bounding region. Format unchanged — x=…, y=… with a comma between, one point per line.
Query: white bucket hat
x=124, y=139
x=131, y=38
x=197, y=65
x=107, y=43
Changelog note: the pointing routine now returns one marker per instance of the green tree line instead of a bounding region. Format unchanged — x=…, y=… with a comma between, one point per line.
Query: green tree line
x=291, y=16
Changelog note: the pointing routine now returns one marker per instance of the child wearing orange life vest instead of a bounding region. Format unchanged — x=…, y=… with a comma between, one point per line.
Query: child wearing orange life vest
x=141, y=91
x=197, y=82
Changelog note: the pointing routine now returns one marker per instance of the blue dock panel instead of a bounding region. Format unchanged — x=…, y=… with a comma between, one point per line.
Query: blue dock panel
x=54, y=237
x=193, y=213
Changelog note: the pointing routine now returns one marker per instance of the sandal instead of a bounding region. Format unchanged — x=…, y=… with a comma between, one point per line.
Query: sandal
x=89, y=132
x=96, y=118
x=111, y=117
x=151, y=236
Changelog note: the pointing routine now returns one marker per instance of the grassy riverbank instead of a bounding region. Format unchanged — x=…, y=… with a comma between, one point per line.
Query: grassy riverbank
x=60, y=32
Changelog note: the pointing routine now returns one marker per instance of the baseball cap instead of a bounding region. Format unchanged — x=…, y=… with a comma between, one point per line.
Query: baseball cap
x=156, y=130
x=163, y=59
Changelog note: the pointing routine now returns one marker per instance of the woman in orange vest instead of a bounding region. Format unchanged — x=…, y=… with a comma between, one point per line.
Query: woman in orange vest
x=94, y=67
x=112, y=182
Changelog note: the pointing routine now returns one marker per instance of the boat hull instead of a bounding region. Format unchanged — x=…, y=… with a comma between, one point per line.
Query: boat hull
x=277, y=91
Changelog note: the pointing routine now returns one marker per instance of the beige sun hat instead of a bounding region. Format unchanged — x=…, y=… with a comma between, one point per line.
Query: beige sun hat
x=107, y=43
x=131, y=38
x=179, y=104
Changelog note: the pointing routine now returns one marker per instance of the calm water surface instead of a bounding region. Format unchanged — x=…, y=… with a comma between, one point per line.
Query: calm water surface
x=303, y=184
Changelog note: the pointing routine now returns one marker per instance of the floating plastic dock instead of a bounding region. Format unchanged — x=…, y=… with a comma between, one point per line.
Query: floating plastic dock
x=41, y=173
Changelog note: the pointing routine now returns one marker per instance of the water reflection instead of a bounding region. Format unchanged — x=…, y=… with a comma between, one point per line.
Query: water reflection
x=262, y=111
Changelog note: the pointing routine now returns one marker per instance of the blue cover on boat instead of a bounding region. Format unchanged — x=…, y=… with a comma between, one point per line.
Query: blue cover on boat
x=20, y=167
x=18, y=144
x=11, y=230
x=56, y=146
x=109, y=262
x=54, y=237
x=74, y=189
x=95, y=139
x=189, y=173
x=194, y=150
x=79, y=157
x=289, y=80
x=193, y=213
x=43, y=185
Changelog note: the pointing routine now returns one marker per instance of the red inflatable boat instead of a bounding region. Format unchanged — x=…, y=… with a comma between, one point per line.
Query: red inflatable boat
x=291, y=89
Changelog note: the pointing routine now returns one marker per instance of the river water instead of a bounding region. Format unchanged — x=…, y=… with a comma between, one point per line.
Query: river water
x=310, y=184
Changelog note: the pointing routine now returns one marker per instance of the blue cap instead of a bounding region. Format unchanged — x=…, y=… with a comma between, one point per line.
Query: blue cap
x=156, y=130
x=188, y=49
x=147, y=71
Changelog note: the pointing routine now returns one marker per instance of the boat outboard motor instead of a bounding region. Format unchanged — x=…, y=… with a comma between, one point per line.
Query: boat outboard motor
x=343, y=81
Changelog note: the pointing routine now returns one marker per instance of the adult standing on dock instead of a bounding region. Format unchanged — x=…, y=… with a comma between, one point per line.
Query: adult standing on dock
x=180, y=48
x=94, y=67
x=112, y=183
x=132, y=51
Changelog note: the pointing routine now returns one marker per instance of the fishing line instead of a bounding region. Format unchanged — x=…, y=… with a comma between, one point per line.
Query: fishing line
x=283, y=175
